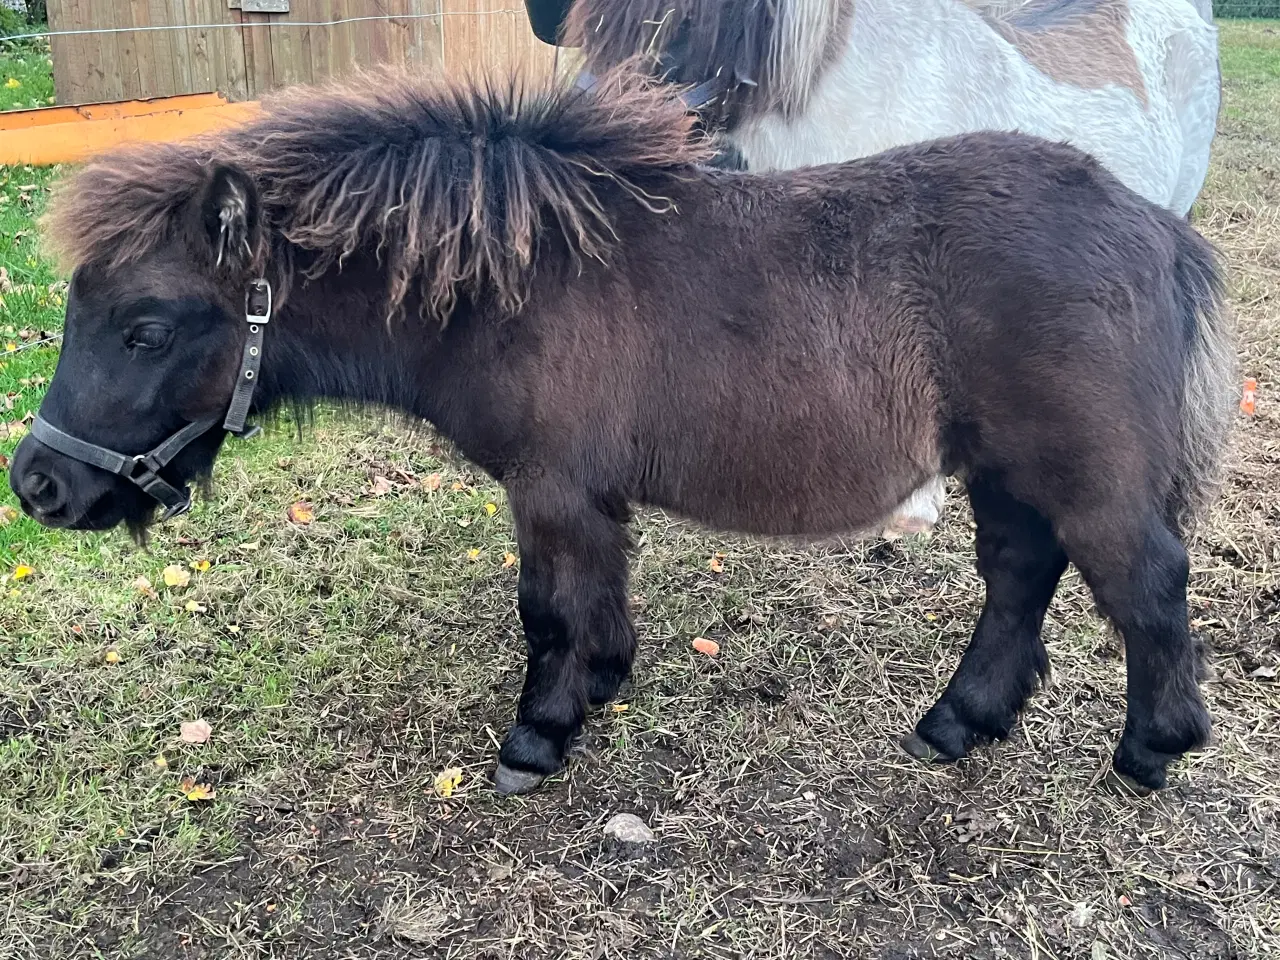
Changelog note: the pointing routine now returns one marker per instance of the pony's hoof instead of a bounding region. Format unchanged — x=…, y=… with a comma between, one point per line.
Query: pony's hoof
x=922, y=749
x=509, y=781
x=1125, y=785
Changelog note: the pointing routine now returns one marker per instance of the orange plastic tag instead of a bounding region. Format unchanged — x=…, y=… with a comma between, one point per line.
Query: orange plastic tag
x=1249, y=400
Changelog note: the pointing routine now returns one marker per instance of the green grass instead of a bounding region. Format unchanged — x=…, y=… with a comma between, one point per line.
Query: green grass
x=26, y=75
x=344, y=663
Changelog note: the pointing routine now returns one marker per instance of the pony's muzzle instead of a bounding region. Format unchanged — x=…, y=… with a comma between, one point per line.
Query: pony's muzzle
x=57, y=491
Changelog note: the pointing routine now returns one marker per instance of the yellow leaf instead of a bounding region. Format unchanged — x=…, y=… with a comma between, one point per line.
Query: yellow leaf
x=13, y=83
x=716, y=563
x=195, y=731
x=161, y=761
x=456, y=486
x=621, y=707
x=22, y=571
x=509, y=560
x=447, y=781
x=10, y=347
x=7, y=515
x=931, y=616
x=473, y=554
x=491, y=508
x=112, y=656
x=233, y=629
x=201, y=792
x=175, y=576
x=193, y=607
x=301, y=513
x=433, y=482
x=200, y=566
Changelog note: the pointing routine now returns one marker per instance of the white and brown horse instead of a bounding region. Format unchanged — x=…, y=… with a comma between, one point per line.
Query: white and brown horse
x=795, y=83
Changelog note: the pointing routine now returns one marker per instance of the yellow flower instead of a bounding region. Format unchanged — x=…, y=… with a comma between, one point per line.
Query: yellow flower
x=22, y=571
x=13, y=83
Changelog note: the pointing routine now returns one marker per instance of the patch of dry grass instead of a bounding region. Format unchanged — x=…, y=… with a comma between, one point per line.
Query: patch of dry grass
x=344, y=663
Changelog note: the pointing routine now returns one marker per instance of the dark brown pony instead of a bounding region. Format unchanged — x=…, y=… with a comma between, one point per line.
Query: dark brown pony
x=556, y=283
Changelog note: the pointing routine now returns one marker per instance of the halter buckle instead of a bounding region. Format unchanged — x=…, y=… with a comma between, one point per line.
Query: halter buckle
x=257, y=301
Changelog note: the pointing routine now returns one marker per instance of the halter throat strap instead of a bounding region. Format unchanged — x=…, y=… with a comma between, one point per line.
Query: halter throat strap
x=143, y=469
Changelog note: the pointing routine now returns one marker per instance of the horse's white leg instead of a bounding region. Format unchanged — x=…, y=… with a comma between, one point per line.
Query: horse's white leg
x=919, y=513
x=1194, y=89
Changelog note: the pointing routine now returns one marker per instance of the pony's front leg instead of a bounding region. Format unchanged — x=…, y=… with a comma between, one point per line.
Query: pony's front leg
x=573, y=606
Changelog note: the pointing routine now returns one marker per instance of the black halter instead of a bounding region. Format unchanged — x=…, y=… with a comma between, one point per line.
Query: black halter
x=144, y=468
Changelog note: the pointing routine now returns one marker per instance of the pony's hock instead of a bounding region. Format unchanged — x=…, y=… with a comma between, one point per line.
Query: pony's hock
x=560, y=285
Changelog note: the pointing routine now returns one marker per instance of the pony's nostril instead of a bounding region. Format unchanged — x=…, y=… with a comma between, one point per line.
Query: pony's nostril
x=42, y=491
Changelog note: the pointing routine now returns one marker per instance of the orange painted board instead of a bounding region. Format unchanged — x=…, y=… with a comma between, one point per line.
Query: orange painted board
x=80, y=139
x=42, y=116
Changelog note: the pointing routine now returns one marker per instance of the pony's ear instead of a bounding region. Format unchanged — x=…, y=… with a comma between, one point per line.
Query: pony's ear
x=229, y=214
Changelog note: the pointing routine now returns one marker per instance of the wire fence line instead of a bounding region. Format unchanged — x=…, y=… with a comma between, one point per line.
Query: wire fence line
x=274, y=24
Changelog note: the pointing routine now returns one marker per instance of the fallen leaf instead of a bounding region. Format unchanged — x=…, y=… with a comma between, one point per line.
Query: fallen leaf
x=22, y=571
x=143, y=586
x=200, y=566
x=195, y=731
x=703, y=645
x=14, y=429
x=491, y=508
x=112, y=657
x=433, y=482
x=457, y=485
x=251, y=547
x=199, y=792
x=4, y=462
x=381, y=486
x=1249, y=398
x=7, y=515
x=1125, y=901
x=175, y=576
x=508, y=560
x=621, y=707
x=716, y=563
x=161, y=761
x=10, y=347
x=1263, y=673
x=473, y=554
x=193, y=607
x=447, y=781
x=301, y=513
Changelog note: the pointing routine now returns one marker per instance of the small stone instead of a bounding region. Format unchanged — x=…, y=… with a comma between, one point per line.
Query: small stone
x=628, y=828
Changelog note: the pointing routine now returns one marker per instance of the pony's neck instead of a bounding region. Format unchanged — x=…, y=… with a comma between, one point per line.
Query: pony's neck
x=330, y=340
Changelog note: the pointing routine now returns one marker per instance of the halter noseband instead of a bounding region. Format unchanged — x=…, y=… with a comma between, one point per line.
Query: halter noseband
x=143, y=470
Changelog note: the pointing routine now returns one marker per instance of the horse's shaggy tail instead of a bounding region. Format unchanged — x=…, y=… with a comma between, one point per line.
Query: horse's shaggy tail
x=1209, y=379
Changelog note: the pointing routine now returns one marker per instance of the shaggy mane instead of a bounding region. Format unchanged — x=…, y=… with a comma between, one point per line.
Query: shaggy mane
x=450, y=184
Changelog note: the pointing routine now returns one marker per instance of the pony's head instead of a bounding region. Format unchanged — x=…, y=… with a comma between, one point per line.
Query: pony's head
x=163, y=242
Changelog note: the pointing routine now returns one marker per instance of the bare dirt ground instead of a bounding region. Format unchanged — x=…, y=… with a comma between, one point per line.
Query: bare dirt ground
x=344, y=663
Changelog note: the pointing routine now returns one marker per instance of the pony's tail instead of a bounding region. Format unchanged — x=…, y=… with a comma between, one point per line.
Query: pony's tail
x=1209, y=379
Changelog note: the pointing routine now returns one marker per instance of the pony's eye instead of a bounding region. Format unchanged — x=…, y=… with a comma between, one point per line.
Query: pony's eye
x=148, y=335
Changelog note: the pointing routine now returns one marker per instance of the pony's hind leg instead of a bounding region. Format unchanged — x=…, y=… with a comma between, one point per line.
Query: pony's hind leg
x=1138, y=574
x=573, y=607
x=1021, y=562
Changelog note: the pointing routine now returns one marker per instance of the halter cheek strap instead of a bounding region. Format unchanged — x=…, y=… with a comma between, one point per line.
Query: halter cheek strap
x=143, y=469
